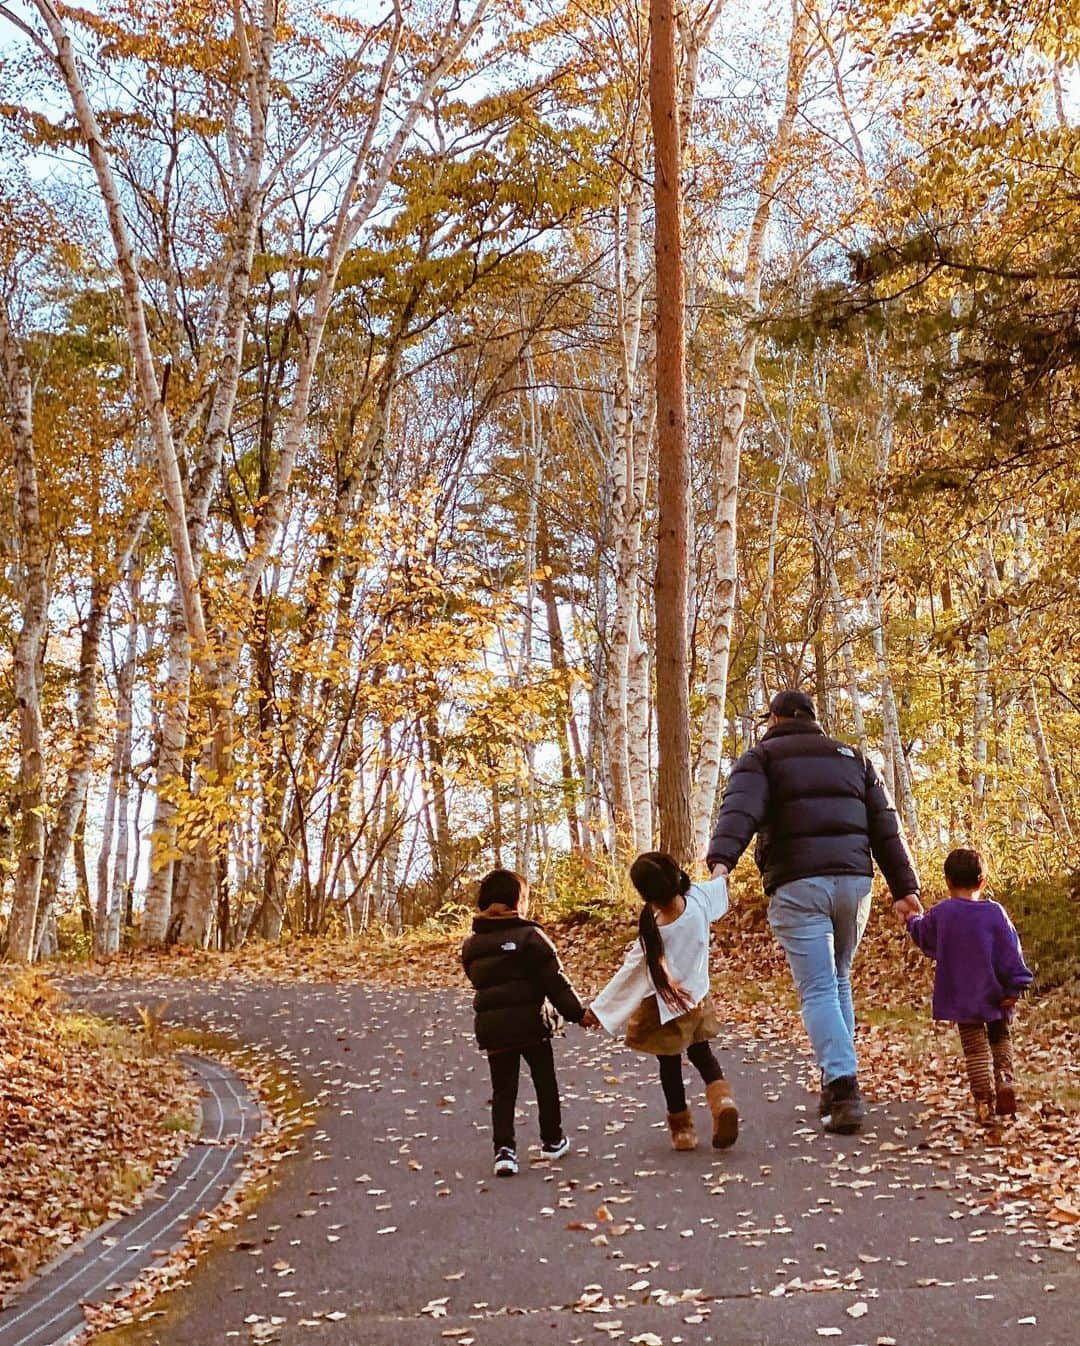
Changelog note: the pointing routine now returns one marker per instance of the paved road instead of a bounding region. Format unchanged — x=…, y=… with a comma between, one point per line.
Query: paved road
x=387, y=1229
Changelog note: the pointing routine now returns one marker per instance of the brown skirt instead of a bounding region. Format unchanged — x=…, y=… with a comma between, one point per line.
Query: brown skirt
x=645, y=1032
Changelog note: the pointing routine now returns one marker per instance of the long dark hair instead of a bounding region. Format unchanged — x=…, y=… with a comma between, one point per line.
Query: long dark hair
x=660, y=881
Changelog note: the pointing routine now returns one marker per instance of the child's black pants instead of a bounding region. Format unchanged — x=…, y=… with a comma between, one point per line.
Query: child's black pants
x=671, y=1080
x=505, y=1069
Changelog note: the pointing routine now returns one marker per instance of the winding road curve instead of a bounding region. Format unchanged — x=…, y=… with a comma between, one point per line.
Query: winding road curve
x=386, y=1228
x=48, y=1310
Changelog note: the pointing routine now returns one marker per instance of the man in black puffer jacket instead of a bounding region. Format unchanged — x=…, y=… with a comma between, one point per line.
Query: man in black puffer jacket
x=515, y=969
x=822, y=817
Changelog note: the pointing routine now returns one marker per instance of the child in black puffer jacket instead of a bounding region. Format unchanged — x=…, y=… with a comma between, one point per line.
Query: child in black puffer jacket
x=515, y=969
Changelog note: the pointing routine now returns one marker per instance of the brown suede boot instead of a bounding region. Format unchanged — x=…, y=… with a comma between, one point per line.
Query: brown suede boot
x=681, y=1126
x=725, y=1114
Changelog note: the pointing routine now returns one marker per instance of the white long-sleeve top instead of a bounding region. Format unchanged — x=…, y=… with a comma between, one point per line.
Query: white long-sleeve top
x=686, y=952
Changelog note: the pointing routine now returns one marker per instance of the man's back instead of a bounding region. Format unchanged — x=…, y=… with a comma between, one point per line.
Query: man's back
x=818, y=808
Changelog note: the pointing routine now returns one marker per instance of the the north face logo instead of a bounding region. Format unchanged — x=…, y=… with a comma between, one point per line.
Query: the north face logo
x=846, y=752
x=509, y=946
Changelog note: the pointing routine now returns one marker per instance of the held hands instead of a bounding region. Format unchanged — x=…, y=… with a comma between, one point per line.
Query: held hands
x=589, y=1020
x=1009, y=1002
x=905, y=907
x=719, y=871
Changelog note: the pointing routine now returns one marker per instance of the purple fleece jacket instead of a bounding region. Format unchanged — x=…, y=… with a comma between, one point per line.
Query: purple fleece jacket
x=978, y=957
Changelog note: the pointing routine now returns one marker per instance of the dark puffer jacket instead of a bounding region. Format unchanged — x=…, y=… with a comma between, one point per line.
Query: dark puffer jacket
x=818, y=808
x=515, y=967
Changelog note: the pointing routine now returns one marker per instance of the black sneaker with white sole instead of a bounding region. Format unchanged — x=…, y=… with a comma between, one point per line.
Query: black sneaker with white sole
x=506, y=1164
x=846, y=1110
x=555, y=1151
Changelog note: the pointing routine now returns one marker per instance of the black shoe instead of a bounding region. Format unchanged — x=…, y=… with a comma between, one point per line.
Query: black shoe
x=555, y=1151
x=846, y=1109
x=506, y=1164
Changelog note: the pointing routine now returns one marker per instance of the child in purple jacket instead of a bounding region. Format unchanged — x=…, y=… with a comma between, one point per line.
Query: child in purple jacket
x=979, y=977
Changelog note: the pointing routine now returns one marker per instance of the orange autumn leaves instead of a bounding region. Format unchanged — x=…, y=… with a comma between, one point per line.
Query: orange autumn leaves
x=86, y=1120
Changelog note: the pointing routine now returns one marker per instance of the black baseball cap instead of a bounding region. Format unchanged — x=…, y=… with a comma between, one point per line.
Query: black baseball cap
x=793, y=705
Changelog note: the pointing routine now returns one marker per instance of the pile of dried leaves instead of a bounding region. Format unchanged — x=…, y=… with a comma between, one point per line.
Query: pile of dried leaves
x=87, y=1117
x=1031, y=1160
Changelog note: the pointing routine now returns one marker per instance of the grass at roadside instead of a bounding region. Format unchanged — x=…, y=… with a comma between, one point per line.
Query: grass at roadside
x=88, y=1118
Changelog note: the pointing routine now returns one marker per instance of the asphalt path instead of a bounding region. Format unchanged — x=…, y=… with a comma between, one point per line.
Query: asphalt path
x=386, y=1227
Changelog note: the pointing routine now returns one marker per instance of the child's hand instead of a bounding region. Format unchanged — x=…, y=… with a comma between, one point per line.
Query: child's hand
x=589, y=1020
x=1009, y=1002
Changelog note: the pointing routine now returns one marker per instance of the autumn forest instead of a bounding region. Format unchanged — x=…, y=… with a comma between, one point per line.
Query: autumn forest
x=338, y=555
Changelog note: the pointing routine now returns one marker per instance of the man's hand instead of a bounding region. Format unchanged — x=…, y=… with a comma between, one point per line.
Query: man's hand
x=589, y=1020
x=1009, y=1003
x=907, y=906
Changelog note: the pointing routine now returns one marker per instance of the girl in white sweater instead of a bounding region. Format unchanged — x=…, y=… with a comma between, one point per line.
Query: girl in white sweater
x=659, y=1000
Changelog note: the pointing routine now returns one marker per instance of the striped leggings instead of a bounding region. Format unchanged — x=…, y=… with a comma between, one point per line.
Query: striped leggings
x=988, y=1056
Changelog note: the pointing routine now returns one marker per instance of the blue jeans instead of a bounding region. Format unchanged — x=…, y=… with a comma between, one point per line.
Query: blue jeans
x=819, y=923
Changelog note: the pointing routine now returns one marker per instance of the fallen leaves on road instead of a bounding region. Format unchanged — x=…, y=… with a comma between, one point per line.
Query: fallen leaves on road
x=87, y=1122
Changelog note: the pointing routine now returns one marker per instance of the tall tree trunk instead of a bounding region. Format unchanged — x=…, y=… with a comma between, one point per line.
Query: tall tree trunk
x=785, y=433
x=33, y=588
x=627, y=471
x=830, y=540
x=639, y=724
x=1055, y=806
x=673, y=447
x=73, y=801
x=108, y=829
x=125, y=685
x=172, y=744
x=731, y=433
x=569, y=740
x=895, y=757
x=980, y=728
x=82, y=874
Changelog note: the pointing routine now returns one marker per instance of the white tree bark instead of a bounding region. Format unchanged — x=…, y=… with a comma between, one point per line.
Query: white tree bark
x=842, y=624
x=785, y=434
x=898, y=776
x=73, y=799
x=172, y=743
x=627, y=471
x=125, y=684
x=731, y=433
x=1055, y=805
x=33, y=591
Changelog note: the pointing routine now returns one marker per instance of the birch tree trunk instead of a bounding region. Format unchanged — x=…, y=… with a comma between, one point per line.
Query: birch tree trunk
x=33, y=587
x=172, y=744
x=569, y=740
x=830, y=545
x=108, y=830
x=1029, y=697
x=73, y=800
x=895, y=757
x=980, y=727
x=1055, y=806
x=731, y=433
x=757, y=685
x=124, y=687
x=627, y=473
